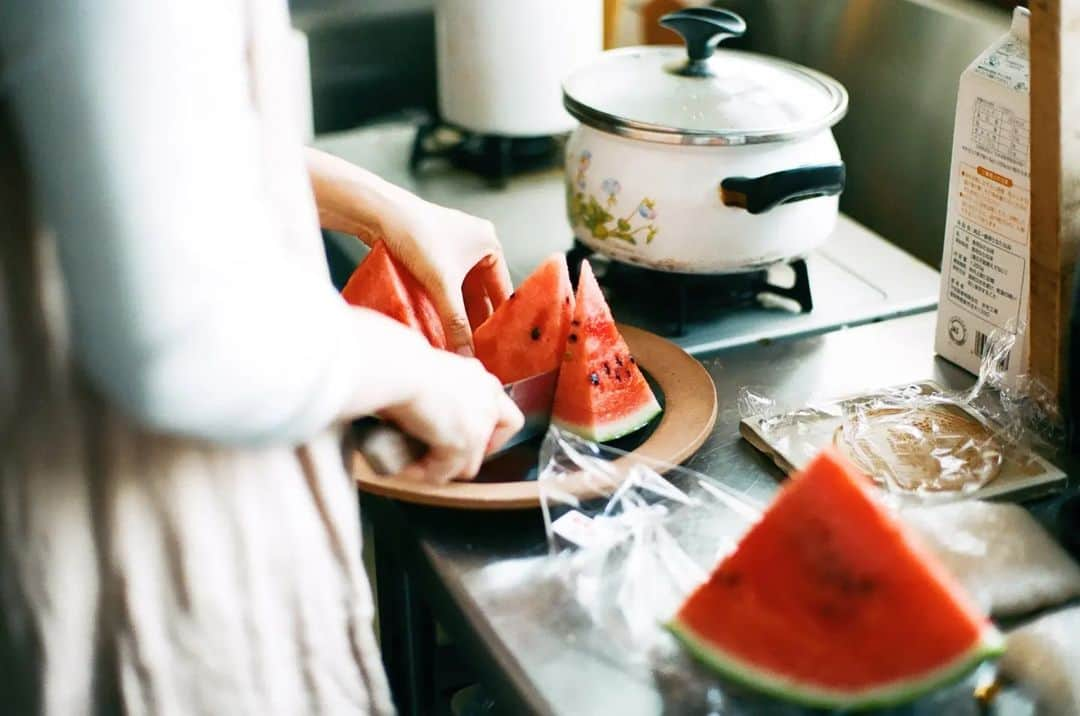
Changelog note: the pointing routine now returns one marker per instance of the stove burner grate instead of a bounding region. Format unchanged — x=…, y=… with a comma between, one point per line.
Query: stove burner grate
x=494, y=157
x=695, y=297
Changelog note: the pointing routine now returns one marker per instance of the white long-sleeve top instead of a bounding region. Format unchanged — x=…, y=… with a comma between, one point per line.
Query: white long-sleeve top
x=146, y=566
x=173, y=178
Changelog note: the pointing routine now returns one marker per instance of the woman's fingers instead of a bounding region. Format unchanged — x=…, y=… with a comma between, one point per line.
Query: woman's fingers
x=503, y=420
x=445, y=463
x=487, y=427
x=440, y=466
x=486, y=287
x=451, y=307
x=474, y=290
x=507, y=424
x=496, y=277
x=475, y=459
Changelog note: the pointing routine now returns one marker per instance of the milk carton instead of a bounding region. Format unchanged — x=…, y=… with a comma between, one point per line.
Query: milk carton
x=985, y=265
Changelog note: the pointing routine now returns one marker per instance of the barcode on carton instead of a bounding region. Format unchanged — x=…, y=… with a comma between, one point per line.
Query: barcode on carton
x=982, y=345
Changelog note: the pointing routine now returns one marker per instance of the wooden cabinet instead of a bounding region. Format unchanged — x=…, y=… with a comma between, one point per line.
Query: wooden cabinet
x=1055, y=182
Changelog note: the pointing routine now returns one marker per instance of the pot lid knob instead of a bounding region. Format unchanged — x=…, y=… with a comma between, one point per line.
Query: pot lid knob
x=702, y=29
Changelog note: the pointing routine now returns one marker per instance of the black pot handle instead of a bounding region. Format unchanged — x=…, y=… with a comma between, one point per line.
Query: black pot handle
x=702, y=29
x=760, y=194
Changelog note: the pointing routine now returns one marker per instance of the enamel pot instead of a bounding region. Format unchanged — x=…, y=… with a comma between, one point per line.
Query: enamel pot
x=701, y=160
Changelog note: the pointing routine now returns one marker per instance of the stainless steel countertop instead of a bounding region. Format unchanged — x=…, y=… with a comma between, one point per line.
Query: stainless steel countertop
x=549, y=668
x=543, y=663
x=856, y=277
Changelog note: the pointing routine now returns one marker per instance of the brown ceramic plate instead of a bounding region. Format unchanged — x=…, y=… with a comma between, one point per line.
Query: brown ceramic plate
x=684, y=388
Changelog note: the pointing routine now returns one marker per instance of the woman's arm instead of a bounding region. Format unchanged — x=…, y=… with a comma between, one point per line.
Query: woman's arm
x=145, y=153
x=451, y=253
x=354, y=201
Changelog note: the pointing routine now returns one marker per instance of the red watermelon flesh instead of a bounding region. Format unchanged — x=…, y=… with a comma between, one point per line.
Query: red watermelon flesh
x=382, y=284
x=602, y=394
x=526, y=335
x=430, y=323
x=827, y=601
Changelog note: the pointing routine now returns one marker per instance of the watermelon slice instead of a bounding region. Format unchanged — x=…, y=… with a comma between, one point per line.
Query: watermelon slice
x=828, y=602
x=601, y=394
x=382, y=284
x=526, y=335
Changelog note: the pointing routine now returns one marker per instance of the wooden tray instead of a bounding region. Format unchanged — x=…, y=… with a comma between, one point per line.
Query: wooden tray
x=689, y=398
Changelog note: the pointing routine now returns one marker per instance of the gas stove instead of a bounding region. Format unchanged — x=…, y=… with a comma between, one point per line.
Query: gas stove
x=814, y=294
x=856, y=277
x=676, y=302
x=493, y=157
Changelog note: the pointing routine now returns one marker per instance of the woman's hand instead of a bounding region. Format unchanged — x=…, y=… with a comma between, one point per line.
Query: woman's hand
x=454, y=255
x=459, y=411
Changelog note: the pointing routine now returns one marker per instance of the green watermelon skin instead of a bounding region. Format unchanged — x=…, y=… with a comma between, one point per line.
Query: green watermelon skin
x=602, y=394
x=827, y=602
x=612, y=430
x=883, y=696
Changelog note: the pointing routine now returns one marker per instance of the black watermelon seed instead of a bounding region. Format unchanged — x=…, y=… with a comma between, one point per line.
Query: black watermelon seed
x=618, y=361
x=572, y=338
x=607, y=369
x=575, y=323
x=513, y=295
x=594, y=379
x=632, y=360
x=567, y=300
x=535, y=333
x=832, y=612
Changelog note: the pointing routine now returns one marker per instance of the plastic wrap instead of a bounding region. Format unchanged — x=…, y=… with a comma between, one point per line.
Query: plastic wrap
x=627, y=541
x=920, y=439
x=629, y=557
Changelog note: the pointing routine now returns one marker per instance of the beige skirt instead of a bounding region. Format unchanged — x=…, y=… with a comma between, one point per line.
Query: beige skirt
x=146, y=574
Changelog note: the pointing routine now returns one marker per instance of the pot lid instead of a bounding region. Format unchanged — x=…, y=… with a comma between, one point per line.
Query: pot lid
x=700, y=95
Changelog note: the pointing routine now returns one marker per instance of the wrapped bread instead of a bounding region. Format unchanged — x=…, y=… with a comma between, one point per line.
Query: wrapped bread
x=1000, y=553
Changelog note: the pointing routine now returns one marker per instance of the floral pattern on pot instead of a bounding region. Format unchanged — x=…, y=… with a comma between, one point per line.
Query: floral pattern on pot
x=596, y=215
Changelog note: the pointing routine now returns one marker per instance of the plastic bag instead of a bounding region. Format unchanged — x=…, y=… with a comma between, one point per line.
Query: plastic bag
x=918, y=440
x=627, y=541
x=629, y=557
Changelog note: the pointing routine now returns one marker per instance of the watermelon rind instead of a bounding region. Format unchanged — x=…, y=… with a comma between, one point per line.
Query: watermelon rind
x=991, y=645
x=612, y=429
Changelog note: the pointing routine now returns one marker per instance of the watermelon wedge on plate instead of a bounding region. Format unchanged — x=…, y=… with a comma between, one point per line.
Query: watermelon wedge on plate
x=382, y=284
x=828, y=602
x=526, y=335
x=602, y=394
